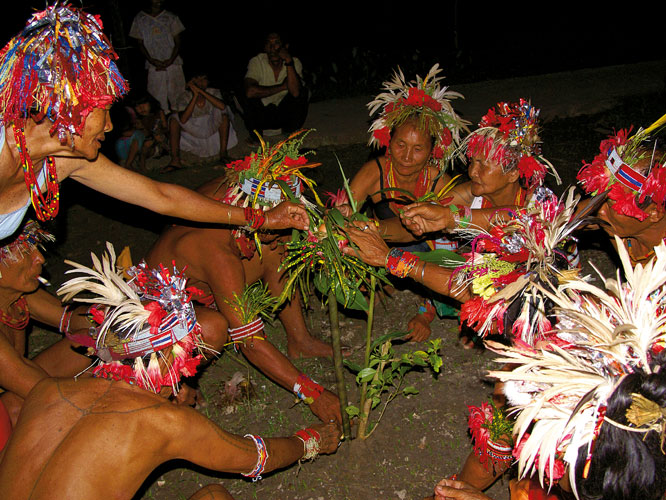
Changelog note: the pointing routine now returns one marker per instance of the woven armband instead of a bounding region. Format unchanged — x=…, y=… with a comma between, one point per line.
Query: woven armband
x=306, y=389
x=245, y=331
x=488, y=425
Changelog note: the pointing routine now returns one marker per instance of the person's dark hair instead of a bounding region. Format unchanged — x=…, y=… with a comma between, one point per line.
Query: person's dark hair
x=414, y=120
x=626, y=464
x=146, y=98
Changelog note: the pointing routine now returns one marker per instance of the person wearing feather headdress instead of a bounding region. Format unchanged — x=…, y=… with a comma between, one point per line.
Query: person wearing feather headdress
x=223, y=262
x=21, y=300
x=600, y=433
x=58, y=79
x=630, y=170
x=115, y=428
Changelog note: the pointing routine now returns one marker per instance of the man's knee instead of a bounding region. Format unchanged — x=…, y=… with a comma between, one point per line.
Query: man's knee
x=214, y=328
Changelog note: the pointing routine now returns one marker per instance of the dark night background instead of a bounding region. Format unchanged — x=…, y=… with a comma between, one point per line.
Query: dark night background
x=351, y=47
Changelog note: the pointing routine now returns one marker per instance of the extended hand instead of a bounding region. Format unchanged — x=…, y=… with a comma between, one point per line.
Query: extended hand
x=449, y=489
x=420, y=329
x=425, y=217
x=286, y=215
x=327, y=407
x=371, y=247
x=330, y=437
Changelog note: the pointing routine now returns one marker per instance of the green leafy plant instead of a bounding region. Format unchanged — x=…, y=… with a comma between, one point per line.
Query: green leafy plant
x=383, y=376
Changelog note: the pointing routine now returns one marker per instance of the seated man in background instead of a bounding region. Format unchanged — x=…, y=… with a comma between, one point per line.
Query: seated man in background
x=124, y=411
x=274, y=94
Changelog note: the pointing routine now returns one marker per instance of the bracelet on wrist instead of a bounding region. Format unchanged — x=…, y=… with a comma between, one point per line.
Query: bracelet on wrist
x=255, y=217
x=306, y=389
x=311, y=443
x=262, y=458
x=400, y=263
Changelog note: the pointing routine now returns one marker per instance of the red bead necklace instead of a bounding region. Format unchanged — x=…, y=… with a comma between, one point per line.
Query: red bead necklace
x=24, y=316
x=45, y=208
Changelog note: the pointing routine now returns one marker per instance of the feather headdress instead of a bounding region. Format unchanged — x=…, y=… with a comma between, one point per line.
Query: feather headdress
x=510, y=137
x=32, y=236
x=424, y=99
x=614, y=170
x=60, y=66
x=560, y=391
x=136, y=320
x=509, y=263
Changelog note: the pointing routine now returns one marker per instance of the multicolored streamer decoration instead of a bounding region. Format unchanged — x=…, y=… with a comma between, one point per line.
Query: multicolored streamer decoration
x=31, y=237
x=427, y=101
x=137, y=320
x=61, y=66
x=560, y=390
x=263, y=179
x=509, y=264
x=630, y=171
x=510, y=137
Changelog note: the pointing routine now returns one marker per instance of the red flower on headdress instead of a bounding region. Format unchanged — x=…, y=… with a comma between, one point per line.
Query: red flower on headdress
x=655, y=185
x=625, y=202
x=437, y=152
x=594, y=177
x=240, y=165
x=445, y=137
x=97, y=315
x=383, y=135
x=156, y=315
x=290, y=162
x=531, y=170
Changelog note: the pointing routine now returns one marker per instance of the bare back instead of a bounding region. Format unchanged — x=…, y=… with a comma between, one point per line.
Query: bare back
x=87, y=439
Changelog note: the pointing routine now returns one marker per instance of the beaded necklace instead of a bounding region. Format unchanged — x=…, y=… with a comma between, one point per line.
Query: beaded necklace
x=420, y=189
x=24, y=316
x=45, y=208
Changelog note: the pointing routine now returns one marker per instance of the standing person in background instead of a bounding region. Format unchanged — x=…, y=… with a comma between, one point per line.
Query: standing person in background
x=275, y=97
x=158, y=34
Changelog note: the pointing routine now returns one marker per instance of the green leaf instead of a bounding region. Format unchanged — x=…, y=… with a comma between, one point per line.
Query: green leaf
x=337, y=217
x=410, y=390
x=365, y=375
x=375, y=401
x=352, y=366
x=436, y=362
x=389, y=336
x=352, y=411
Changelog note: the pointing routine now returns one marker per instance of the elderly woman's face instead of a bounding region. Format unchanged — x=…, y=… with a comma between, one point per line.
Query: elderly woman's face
x=410, y=148
x=487, y=176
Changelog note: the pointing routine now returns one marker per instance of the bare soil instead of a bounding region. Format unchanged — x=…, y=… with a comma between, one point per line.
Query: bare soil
x=421, y=438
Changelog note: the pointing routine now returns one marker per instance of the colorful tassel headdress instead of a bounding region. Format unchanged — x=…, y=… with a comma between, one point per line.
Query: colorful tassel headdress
x=509, y=264
x=560, y=391
x=427, y=101
x=510, y=137
x=32, y=236
x=61, y=66
x=137, y=320
x=271, y=175
x=614, y=170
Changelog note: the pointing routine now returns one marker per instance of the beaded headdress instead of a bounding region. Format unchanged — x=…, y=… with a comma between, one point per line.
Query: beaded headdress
x=427, y=101
x=560, y=391
x=61, y=66
x=510, y=137
x=32, y=236
x=614, y=170
x=136, y=320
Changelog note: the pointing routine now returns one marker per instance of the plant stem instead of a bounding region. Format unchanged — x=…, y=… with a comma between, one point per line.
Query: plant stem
x=364, y=418
x=337, y=361
x=368, y=340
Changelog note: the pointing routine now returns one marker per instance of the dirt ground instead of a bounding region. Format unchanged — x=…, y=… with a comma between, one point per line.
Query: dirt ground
x=420, y=438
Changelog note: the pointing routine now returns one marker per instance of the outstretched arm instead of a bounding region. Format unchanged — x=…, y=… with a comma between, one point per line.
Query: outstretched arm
x=201, y=441
x=170, y=199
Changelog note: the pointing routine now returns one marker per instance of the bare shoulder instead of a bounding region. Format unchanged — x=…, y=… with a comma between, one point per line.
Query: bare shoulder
x=366, y=180
x=462, y=193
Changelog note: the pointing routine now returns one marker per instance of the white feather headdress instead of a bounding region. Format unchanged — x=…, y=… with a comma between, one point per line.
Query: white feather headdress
x=559, y=391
